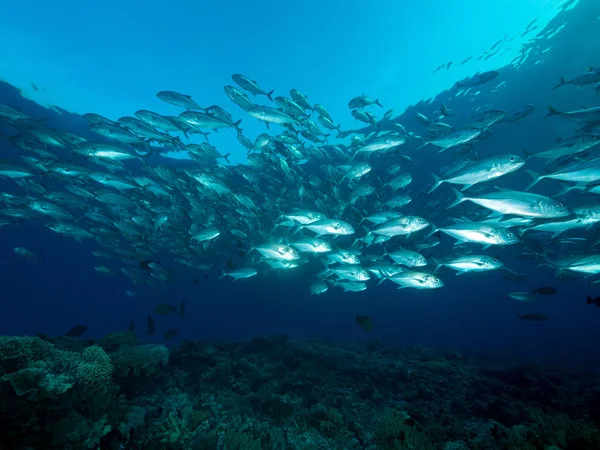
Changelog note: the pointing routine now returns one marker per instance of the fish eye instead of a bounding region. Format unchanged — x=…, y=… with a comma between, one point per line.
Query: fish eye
x=511, y=159
x=560, y=205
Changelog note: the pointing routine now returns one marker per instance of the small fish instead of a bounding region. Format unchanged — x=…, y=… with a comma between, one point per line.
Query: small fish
x=593, y=301
x=150, y=325
x=76, y=331
x=169, y=334
x=544, y=290
x=364, y=322
x=250, y=86
x=164, y=309
x=521, y=296
x=533, y=317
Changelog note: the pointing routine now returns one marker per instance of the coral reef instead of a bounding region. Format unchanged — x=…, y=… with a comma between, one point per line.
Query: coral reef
x=275, y=393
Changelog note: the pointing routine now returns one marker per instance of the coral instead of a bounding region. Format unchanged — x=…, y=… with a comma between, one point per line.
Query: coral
x=142, y=360
x=279, y=394
x=234, y=440
x=393, y=433
x=115, y=340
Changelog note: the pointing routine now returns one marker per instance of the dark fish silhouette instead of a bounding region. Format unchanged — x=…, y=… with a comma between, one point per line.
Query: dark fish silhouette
x=593, y=301
x=365, y=322
x=533, y=317
x=132, y=324
x=150, y=325
x=76, y=331
x=544, y=290
x=164, y=310
x=171, y=333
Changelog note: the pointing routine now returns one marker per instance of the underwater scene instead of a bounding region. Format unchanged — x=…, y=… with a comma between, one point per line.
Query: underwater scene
x=300, y=226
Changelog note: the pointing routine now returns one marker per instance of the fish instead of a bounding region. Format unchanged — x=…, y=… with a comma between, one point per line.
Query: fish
x=363, y=101
x=592, y=75
x=455, y=138
x=521, y=296
x=170, y=334
x=365, y=322
x=177, y=99
x=583, y=115
x=318, y=288
x=478, y=79
x=164, y=309
x=533, y=317
x=593, y=301
x=151, y=326
x=250, y=86
x=76, y=331
x=544, y=290
x=518, y=203
x=569, y=146
x=470, y=263
x=481, y=171
x=271, y=115
x=243, y=272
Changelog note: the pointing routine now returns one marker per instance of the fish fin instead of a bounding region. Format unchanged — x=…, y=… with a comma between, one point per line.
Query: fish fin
x=552, y=111
x=461, y=272
x=223, y=274
x=437, y=264
x=486, y=246
x=437, y=184
x=536, y=178
x=269, y=94
x=423, y=145
x=377, y=103
x=459, y=199
x=226, y=156
x=434, y=230
x=562, y=82
x=237, y=125
x=465, y=187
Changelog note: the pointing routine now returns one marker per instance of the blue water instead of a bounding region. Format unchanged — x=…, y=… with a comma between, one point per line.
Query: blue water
x=114, y=59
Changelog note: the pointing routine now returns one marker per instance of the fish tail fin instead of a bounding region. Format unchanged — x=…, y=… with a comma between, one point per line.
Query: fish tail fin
x=226, y=156
x=527, y=154
x=589, y=300
x=437, y=264
x=459, y=199
x=237, y=125
x=562, y=81
x=205, y=136
x=342, y=134
x=338, y=128
x=536, y=178
x=223, y=274
x=270, y=94
x=437, y=184
x=423, y=145
x=381, y=280
x=552, y=111
x=434, y=230
x=298, y=229
x=377, y=103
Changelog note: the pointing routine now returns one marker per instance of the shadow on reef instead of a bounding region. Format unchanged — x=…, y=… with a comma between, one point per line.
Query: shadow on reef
x=275, y=393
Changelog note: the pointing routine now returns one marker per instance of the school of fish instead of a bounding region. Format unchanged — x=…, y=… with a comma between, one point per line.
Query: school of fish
x=336, y=201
